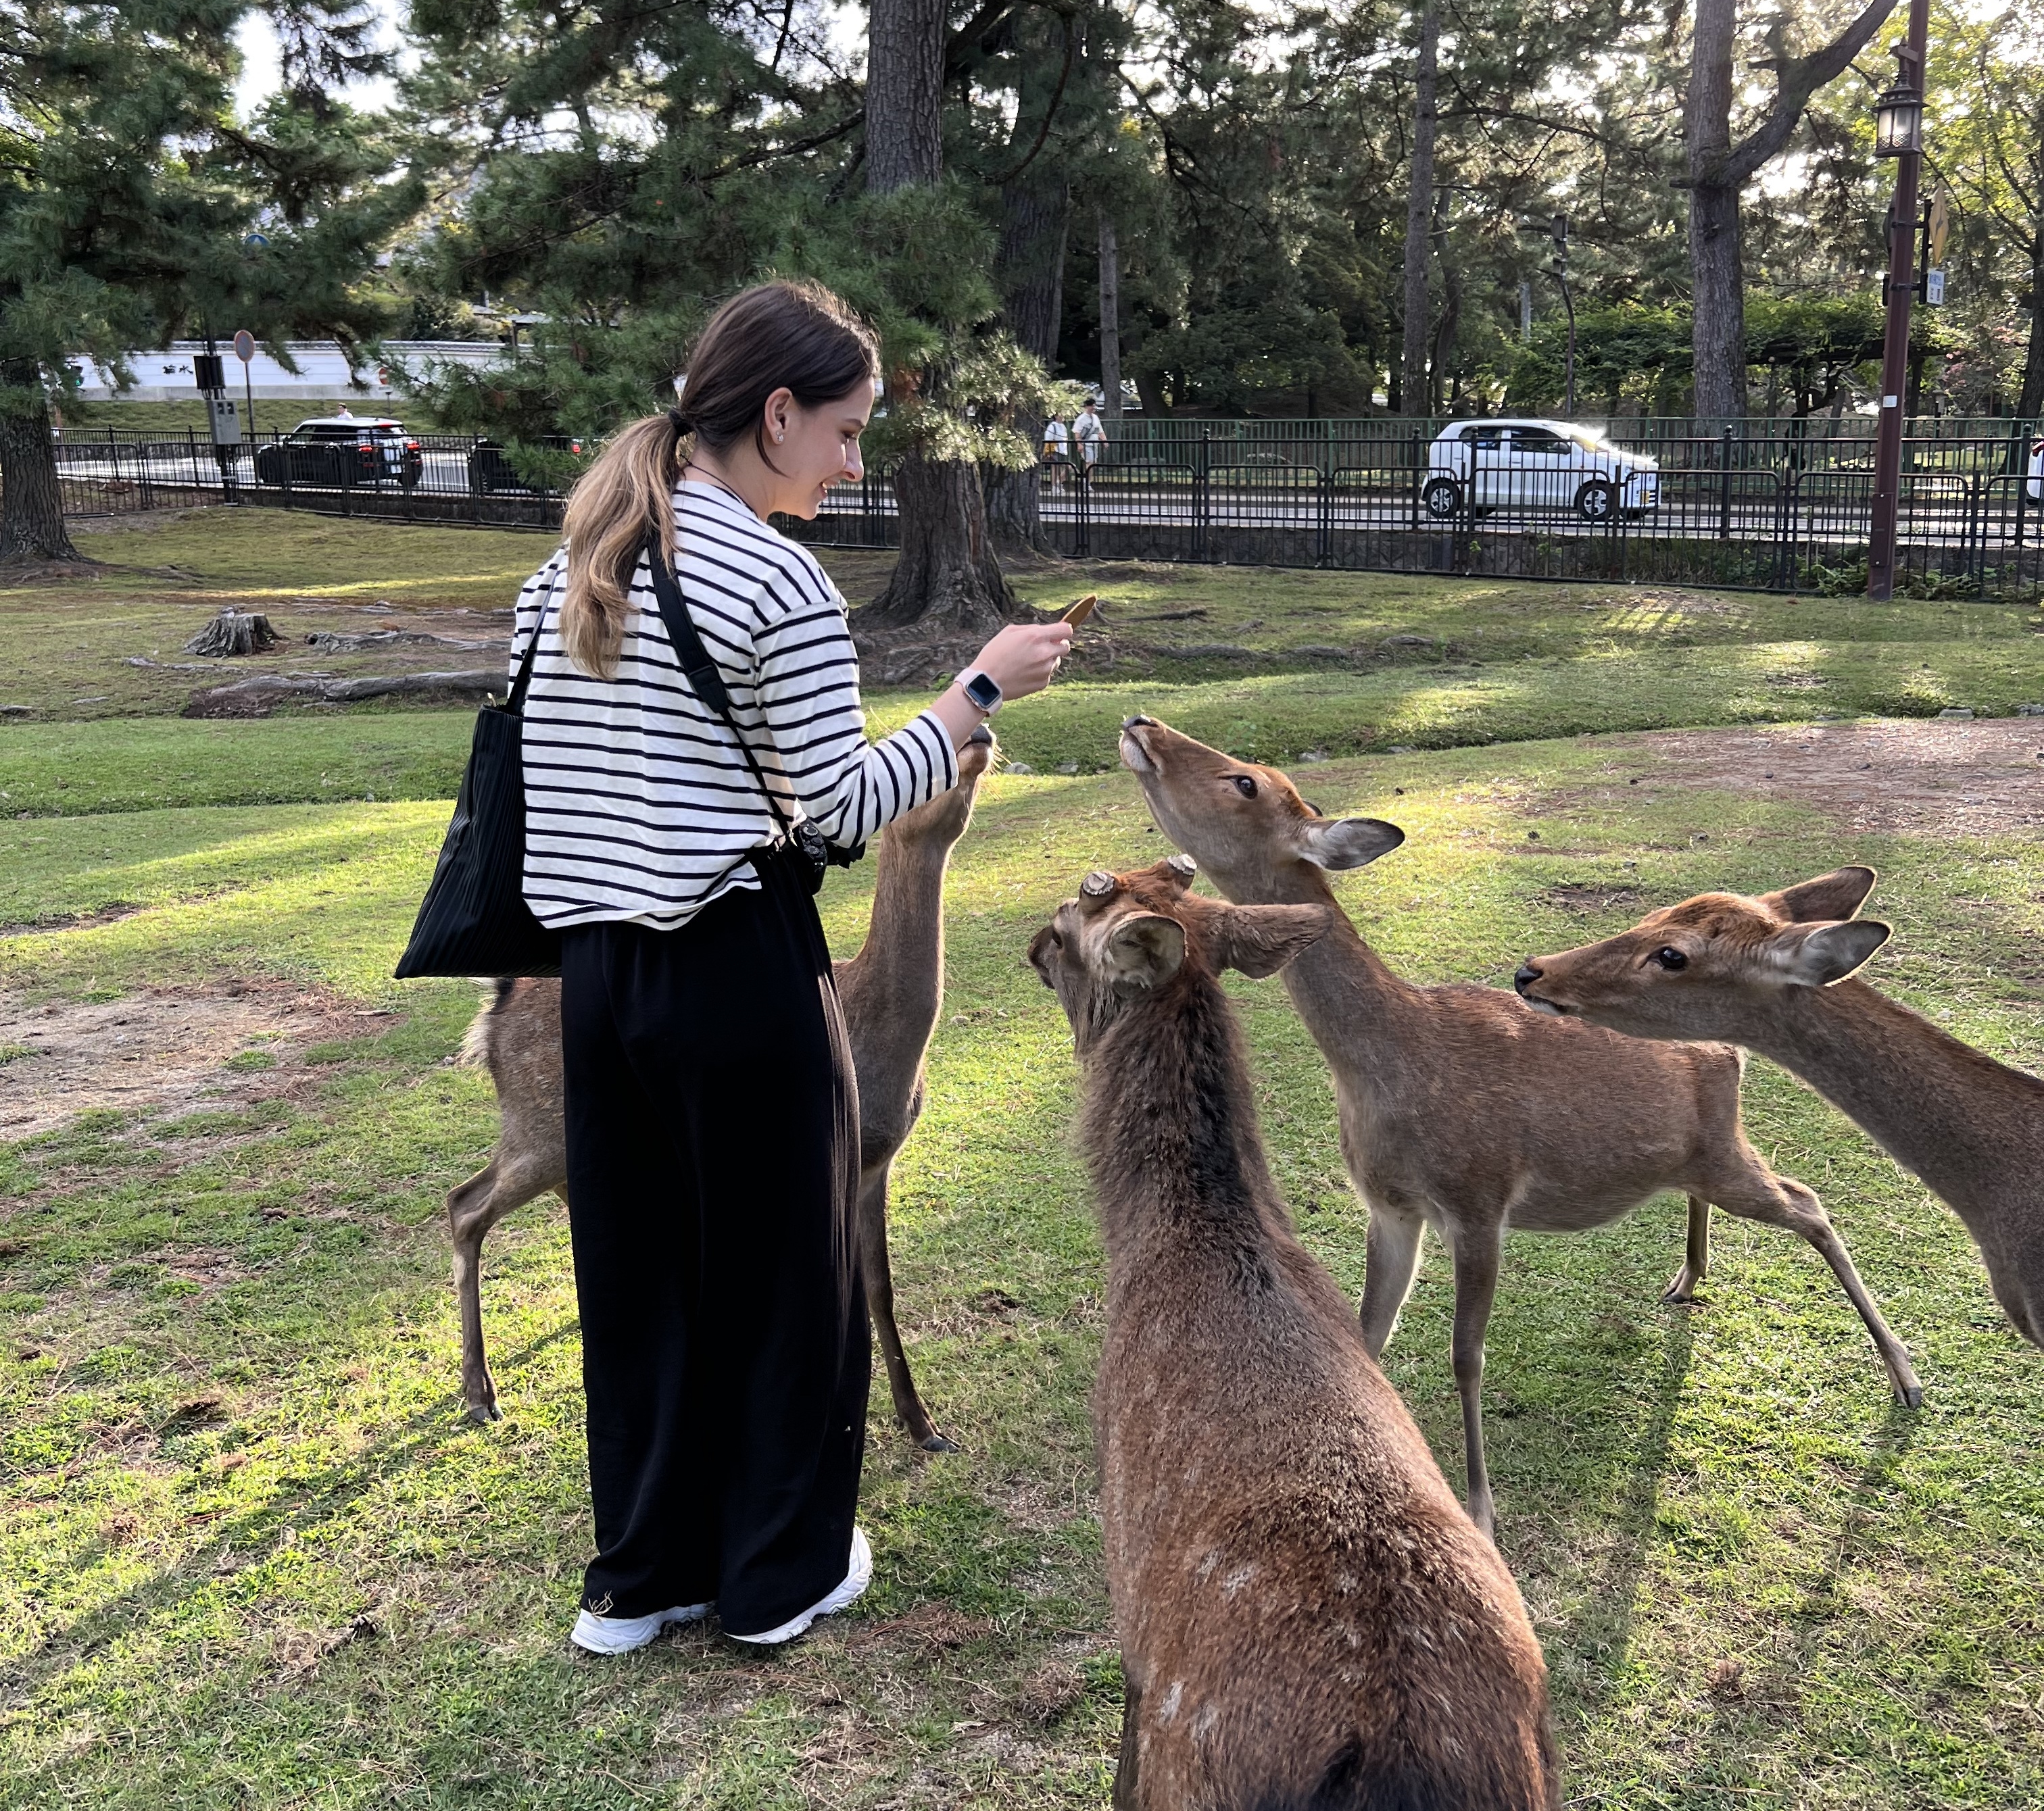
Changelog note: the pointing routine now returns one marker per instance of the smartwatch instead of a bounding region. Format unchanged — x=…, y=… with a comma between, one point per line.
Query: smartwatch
x=981, y=693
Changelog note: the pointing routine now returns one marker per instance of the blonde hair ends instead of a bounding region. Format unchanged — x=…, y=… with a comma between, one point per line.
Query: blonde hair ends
x=626, y=495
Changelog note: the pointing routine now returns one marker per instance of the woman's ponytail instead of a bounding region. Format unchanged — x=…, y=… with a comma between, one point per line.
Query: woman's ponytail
x=795, y=336
x=626, y=495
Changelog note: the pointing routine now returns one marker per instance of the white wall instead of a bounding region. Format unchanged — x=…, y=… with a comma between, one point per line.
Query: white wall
x=165, y=375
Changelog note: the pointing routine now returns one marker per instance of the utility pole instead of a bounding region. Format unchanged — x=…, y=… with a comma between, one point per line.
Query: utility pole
x=1899, y=134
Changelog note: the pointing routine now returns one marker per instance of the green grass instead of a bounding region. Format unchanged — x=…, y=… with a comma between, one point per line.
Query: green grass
x=273, y=415
x=252, y=1557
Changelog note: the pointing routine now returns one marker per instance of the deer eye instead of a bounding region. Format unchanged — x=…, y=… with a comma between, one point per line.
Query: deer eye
x=1245, y=785
x=1669, y=958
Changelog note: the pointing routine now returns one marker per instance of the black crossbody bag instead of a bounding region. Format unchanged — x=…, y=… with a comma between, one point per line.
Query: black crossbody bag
x=815, y=852
x=474, y=919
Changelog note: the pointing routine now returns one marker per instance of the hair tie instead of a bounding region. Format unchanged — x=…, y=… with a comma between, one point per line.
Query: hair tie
x=684, y=423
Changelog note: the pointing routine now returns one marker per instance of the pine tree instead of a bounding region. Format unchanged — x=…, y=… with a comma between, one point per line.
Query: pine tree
x=129, y=192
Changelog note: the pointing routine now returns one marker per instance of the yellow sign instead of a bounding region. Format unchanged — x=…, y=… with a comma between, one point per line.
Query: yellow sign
x=1940, y=223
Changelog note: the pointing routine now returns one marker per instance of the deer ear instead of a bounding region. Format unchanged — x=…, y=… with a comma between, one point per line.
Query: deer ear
x=1825, y=952
x=1260, y=940
x=1145, y=950
x=1348, y=843
x=1838, y=894
x=1039, y=956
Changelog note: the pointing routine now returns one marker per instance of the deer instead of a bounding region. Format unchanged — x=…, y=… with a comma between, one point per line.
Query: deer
x=1461, y=1108
x=891, y=992
x=1778, y=973
x=1307, y=1616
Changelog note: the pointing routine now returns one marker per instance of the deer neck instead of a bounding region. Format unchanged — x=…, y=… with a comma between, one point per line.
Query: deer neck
x=903, y=957
x=1340, y=987
x=1968, y=1125
x=1171, y=1135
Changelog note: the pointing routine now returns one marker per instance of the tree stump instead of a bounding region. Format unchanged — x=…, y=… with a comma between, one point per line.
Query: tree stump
x=235, y=631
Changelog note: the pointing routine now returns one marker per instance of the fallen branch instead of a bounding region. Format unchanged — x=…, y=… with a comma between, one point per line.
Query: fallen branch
x=258, y=693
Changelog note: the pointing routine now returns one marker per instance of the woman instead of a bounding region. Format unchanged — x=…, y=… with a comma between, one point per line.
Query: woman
x=712, y=1136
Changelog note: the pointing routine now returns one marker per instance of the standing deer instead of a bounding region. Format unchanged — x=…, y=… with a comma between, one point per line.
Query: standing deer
x=891, y=992
x=1777, y=974
x=1307, y=1618
x=1461, y=1107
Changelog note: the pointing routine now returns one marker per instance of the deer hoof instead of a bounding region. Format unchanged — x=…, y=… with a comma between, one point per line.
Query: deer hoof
x=1681, y=1291
x=935, y=1442
x=1910, y=1395
x=483, y=1413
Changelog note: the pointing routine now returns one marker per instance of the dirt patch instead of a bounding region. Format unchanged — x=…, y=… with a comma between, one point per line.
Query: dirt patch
x=1966, y=779
x=160, y=1048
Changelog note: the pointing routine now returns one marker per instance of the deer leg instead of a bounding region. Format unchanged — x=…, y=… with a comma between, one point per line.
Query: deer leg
x=880, y=1307
x=1476, y=1289
x=1782, y=1201
x=1682, y=1286
x=1125, y=1798
x=1391, y=1261
x=473, y=1208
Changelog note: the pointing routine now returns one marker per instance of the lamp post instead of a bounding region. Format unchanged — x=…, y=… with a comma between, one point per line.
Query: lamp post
x=1899, y=134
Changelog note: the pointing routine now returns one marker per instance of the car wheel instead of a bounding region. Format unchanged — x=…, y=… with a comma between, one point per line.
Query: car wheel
x=1442, y=497
x=408, y=479
x=1595, y=500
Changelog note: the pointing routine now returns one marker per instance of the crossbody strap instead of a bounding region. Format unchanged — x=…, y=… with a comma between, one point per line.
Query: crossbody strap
x=697, y=666
x=515, y=702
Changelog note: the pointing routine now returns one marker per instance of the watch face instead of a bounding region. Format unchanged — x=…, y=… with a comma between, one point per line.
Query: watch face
x=982, y=692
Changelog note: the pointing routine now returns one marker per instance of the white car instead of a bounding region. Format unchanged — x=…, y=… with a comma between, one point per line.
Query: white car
x=2037, y=471
x=1545, y=465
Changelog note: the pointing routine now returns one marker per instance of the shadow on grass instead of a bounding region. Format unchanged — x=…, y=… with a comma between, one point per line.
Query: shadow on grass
x=251, y=1537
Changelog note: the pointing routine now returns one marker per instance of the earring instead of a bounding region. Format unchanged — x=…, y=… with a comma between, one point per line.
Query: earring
x=778, y=439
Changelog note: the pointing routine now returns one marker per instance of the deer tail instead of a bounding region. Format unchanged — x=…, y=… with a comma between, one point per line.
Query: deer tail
x=475, y=1044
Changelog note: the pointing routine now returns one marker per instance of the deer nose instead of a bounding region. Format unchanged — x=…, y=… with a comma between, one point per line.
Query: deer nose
x=980, y=738
x=1139, y=723
x=1527, y=976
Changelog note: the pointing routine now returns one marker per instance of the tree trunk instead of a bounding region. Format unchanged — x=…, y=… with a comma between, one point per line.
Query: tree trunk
x=1717, y=277
x=1029, y=268
x=947, y=579
x=946, y=574
x=2030, y=404
x=1414, y=388
x=32, y=524
x=1451, y=319
x=1110, y=318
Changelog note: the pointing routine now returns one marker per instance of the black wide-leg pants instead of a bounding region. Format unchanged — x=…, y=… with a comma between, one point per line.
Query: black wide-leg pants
x=713, y=1154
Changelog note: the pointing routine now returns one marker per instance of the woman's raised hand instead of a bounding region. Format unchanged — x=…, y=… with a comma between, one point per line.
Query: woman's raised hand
x=1022, y=657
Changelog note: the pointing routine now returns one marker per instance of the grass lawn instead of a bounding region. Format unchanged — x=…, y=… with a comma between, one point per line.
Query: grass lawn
x=249, y=1556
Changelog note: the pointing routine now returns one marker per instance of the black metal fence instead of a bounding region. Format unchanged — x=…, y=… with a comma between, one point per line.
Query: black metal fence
x=1768, y=505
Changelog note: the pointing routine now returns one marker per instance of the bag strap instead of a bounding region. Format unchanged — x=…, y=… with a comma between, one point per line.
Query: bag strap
x=515, y=703
x=697, y=666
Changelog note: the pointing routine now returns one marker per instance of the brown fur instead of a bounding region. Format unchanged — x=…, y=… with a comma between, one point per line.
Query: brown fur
x=1308, y=1618
x=891, y=991
x=1773, y=973
x=1461, y=1108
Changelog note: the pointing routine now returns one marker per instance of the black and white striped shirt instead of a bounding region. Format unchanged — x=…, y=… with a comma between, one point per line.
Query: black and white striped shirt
x=638, y=806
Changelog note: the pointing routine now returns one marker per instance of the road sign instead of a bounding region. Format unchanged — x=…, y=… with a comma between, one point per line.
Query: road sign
x=1940, y=223
x=244, y=346
x=1933, y=288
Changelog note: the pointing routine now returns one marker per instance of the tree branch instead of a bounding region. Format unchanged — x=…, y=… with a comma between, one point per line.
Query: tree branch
x=1795, y=80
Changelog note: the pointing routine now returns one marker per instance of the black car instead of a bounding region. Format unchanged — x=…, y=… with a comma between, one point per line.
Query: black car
x=341, y=450
x=490, y=471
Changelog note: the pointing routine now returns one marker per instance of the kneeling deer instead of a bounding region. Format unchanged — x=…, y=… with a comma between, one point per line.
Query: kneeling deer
x=1777, y=974
x=1461, y=1107
x=1307, y=1616
x=892, y=992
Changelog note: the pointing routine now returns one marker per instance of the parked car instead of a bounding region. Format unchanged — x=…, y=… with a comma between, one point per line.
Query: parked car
x=337, y=449
x=489, y=471
x=1545, y=465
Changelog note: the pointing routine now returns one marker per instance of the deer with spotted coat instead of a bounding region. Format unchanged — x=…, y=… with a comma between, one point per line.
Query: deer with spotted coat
x=891, y=993
x=1461, y=1108
x=1308, y=1619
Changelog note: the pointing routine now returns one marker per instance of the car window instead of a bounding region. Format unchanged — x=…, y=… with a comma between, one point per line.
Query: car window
x=1538, y=440
x=1489, y=438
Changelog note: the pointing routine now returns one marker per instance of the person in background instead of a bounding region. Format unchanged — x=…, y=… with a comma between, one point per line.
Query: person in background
x=1057, y=449
x=1090, y=432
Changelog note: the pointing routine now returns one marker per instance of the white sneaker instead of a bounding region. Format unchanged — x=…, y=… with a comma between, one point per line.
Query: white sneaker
x=622, y=1634
x=849, y=1593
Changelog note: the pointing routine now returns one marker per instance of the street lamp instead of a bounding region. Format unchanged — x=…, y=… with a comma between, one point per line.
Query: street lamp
x=1898, y=122
x=1899, y=134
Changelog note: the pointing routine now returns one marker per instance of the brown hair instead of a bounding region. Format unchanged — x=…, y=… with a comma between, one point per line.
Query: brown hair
x=796, y=336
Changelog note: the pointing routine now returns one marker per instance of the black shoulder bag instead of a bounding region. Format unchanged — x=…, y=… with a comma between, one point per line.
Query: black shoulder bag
x=807, y=842
x=474, y=919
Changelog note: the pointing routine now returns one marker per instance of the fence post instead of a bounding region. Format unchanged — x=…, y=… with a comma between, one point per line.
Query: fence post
x=1415, y=462
x=1082, y=508
x=1724, y=485
x=1200, y=498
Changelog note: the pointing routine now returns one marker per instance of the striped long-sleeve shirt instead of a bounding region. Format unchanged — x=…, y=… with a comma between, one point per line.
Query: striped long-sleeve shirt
x=639, y=805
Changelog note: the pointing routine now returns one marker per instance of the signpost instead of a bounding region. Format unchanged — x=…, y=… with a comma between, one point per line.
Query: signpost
x=245, y=349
